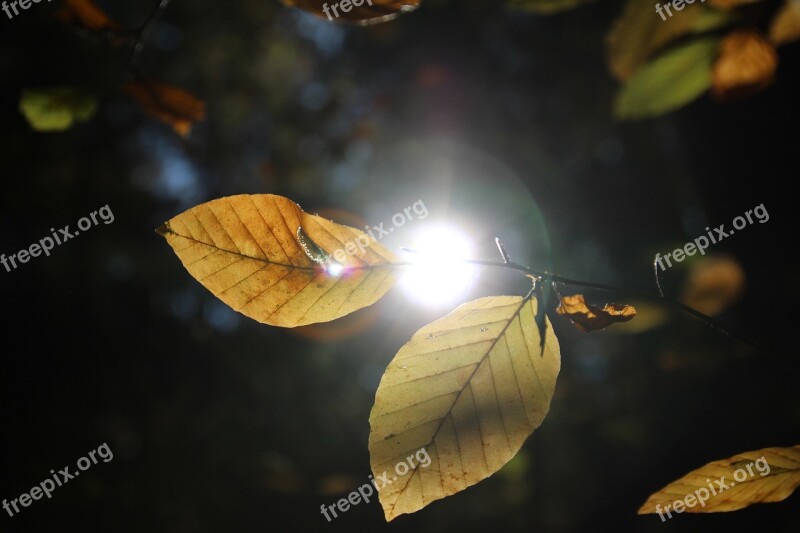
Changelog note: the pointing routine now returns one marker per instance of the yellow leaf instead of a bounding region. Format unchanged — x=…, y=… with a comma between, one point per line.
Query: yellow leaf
x=638, y=33
x=469, y=389
x=760, y=476
x=785, y=27
x=268, y=259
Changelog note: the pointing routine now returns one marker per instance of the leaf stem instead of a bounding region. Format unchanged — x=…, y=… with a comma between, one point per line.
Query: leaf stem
x=139, y=44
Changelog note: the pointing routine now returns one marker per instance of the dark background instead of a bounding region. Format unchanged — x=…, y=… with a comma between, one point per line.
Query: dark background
x=502, y=123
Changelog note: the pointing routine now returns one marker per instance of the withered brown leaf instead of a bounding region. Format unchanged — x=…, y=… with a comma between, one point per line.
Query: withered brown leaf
x=168, y=104
x=587, y=317
x=84, y=14
x=746, y=64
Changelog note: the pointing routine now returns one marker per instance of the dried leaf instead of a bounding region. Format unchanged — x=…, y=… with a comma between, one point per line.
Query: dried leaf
x=84, y=14
x=245, y=250
x=713, y=284
x=359, y=11
x=545, y=7
x=588, y=318
x=639, y=33
x=168, y=104
x=747, y=63
x=731, y=4
x=785, y=27
x=672, y=80
x=772, y=479
x=56, y=109
x=469, y=388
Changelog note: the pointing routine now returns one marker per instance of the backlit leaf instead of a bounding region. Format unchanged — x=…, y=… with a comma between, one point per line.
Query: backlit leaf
x=588, y=317
x=469, y=388
x=169, y=104
x=358, y=11
x=785, y=27
x=747, y=63
x=639, y=32
x=245, y=250
x=672, y=80
x=56, y=109
x=773, y=474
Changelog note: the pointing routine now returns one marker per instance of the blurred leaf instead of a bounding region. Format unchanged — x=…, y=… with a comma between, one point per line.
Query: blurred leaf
x=672, y=80
x=86, y=15
x=469, y=388
x=245, y=250
x=588, y=318
x=731, y=4
x=369, y=12
x=774, y=478
x=639, y=32
x=747, y=64
x=785, y=27
x=648, y=316
x=167, y=103
x=713, y=284
x=56, y=109
x=545, y=6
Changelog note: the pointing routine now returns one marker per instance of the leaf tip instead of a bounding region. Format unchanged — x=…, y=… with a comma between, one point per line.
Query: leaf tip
x=164, y=229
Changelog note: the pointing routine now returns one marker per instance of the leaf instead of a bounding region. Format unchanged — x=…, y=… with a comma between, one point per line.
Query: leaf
x=56, y=109
x=639, y=32
x=772, y=479
x=84, y=14
x=785, y=27
x=546, y=7
x=675, y=78
x=367, y=12
x=169, y=104
x=713, y=284
x=747, y=64
x=245, y=250
x=732, y=4
x=469, y=388
x=589, y=318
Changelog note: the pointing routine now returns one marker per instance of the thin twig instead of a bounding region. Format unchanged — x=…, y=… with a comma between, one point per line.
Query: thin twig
x=139, y=44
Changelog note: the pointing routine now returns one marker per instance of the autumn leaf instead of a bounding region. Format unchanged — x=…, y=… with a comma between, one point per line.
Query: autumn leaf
x=713, y=284
x=672, y=80
x=760, y=476
x=731, y=4
x=265, y=257
x=785, y=27
x=84, y=14
x=638, y=33
x=469, y=388
x=359, y=11
x=589, y=318
x=747, y=63
x=169, y=104
x=545, y=6
x=56, y=109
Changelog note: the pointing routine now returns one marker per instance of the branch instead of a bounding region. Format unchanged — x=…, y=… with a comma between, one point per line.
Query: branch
x=140, y=36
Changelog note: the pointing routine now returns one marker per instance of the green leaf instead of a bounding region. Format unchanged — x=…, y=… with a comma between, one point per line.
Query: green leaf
x=639, y=32
x=672, y=80
x=56, y=109
x=545, y=6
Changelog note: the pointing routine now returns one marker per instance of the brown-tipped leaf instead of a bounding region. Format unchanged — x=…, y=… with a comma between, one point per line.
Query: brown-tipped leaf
x=587, y=317
x=746, y=64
